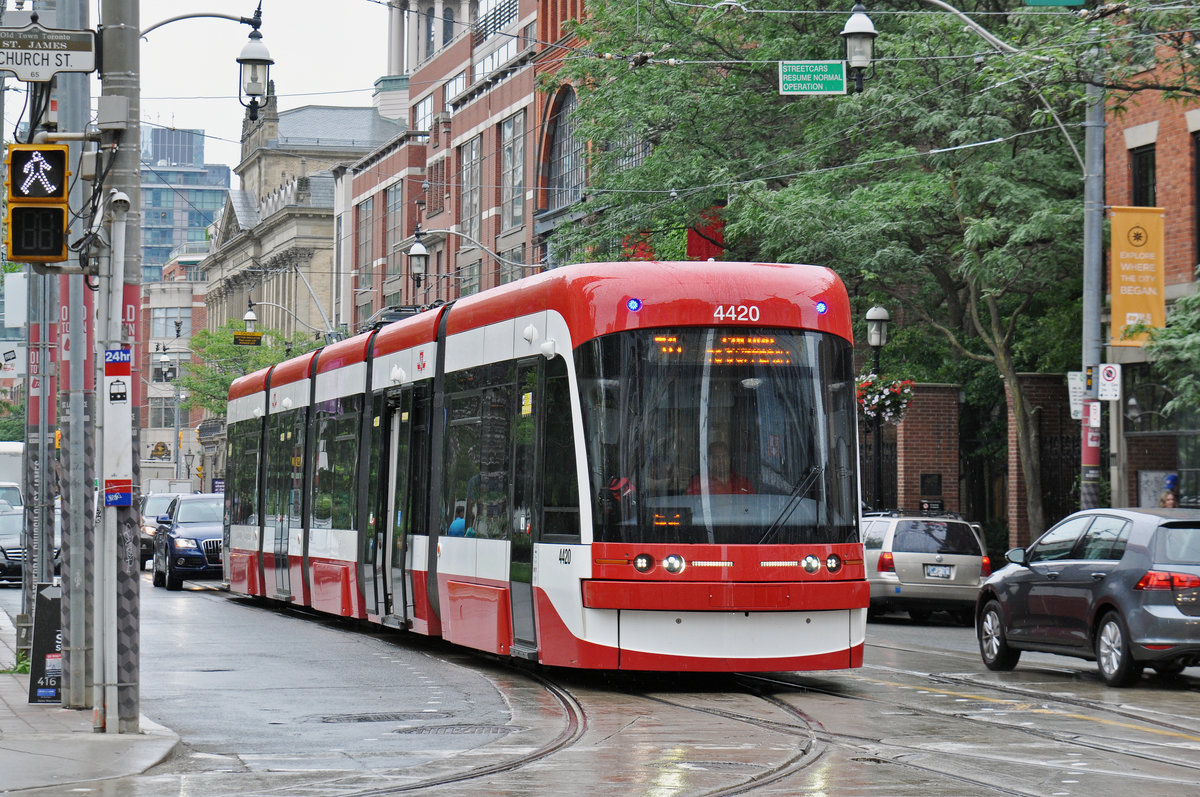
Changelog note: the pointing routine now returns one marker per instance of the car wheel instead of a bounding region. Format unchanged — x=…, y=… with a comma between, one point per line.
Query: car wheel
x=1113, y=657
x=174, y=582
x=993, y=646
x=156, y=578
x=919, y=615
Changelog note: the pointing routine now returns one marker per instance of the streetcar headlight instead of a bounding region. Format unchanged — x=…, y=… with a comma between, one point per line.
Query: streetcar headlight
x=811, y=564
x=643, y=562
x=833, y=563
x=674, y=563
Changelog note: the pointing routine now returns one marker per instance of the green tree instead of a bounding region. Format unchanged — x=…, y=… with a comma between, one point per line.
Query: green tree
x=219, y=361
x=1175, y=352
x=12, y=422
x=950, y=189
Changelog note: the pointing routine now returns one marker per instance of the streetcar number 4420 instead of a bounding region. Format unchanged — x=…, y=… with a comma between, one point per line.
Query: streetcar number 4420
x=736, y=312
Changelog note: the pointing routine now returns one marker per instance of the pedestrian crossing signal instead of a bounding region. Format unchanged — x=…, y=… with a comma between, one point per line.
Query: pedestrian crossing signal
x=37, y=203
x=37, y=173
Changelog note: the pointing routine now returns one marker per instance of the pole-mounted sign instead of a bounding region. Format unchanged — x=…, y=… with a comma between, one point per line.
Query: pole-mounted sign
x=37, y=203
x=36, y=54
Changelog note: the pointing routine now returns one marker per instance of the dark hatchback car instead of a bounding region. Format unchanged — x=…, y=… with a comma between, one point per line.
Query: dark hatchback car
x=1117, y=586
x=187, y=543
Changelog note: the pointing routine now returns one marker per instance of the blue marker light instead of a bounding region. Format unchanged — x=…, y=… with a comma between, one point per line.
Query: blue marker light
x=822, y=308
x=634, y=305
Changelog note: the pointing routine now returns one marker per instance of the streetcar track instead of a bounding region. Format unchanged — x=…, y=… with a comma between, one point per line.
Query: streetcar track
x=1060, y=737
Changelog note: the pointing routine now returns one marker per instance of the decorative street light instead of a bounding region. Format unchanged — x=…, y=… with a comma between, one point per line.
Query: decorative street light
x=256, y=61
x=172, y=375
x=859, y=35
x=418, y=257
x=250, y=318
x=877, y=324
x=256, y=68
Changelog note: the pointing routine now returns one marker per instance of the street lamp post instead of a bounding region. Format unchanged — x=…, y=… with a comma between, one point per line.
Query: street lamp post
x=877, y=324
x=173, y=375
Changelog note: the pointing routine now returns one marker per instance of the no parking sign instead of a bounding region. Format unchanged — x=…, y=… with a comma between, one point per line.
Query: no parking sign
x=1109, y=388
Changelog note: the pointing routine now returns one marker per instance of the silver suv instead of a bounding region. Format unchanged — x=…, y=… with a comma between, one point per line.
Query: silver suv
x=924, y=563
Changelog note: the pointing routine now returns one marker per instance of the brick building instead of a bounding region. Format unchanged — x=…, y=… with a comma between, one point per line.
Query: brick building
x=1152, y=159
x=487, y=168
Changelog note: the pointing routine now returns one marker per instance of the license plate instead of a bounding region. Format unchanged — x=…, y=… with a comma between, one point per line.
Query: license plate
x=937, y=571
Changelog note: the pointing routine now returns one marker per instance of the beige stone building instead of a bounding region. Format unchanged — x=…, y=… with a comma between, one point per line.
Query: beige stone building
x=274, y=241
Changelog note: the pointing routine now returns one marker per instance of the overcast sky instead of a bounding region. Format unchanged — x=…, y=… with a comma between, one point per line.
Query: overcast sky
x=326, y=53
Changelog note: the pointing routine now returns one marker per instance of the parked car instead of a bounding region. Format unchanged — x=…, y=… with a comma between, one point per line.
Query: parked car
x=187, y=541
x=152, y=506
x=1117, y=586
x=924, y=563
x=12, y=553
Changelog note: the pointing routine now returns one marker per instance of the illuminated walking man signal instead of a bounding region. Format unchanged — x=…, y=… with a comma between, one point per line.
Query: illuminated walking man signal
x=35, y=169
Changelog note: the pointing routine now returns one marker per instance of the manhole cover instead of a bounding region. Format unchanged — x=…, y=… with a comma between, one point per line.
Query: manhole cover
x=387, y=716
x=457, y=730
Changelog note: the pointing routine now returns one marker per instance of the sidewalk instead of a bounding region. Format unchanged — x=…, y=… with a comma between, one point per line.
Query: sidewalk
x=45, y=745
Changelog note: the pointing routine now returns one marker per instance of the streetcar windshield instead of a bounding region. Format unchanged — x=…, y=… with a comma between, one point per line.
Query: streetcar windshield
x=728, y=436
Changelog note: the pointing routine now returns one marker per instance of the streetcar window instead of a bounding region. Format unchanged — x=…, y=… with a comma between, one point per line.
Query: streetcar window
x=335, y=470
x=560, y=482
x=703, y=435
x=245, y=439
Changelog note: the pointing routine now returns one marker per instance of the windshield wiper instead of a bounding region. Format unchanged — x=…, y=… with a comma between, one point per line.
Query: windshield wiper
x=798, y=493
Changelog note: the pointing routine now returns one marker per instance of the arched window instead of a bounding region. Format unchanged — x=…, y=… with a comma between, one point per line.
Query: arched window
x=429, y=33
x=447, y=26
x=566, y=156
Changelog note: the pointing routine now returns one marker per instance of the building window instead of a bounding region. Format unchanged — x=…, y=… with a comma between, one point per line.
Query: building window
x=447, y=26
x=162, y=412
x=162, y=322
x=493, y=17
x=468, y=281
x=487, y=64
x=429, y=47
x=364, y=240
x=566, y=157
x=469, y=158
x=423, y=114
x=454, y=86
x=395, y=208
x=512, y=171
x=511, y=264
x=1141, y=171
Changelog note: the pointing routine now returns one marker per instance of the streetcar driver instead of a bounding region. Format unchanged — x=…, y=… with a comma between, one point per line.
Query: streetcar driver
x=722, y=480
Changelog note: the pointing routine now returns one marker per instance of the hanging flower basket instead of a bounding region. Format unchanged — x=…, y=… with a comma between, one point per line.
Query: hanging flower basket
x=884, y=398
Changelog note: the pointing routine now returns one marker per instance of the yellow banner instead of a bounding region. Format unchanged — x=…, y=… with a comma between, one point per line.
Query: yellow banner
x=1136, y=280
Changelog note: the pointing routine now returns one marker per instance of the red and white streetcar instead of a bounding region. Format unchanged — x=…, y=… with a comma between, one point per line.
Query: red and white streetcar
x=641, y=466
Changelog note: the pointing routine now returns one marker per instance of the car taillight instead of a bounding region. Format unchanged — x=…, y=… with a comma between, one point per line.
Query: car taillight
x=1162, y=579
x=985, y=567
x=886, y=563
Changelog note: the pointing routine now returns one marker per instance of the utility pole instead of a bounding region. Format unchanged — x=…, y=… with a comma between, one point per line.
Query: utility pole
x=76, y=407
x=117, y=706
x=1093, y=250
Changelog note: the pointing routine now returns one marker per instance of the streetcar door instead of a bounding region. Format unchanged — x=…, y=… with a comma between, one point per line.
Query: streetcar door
x=390, y=573
x=524, y=530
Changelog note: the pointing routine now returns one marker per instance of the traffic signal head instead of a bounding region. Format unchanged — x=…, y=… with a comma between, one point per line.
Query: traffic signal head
x=37, y=203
